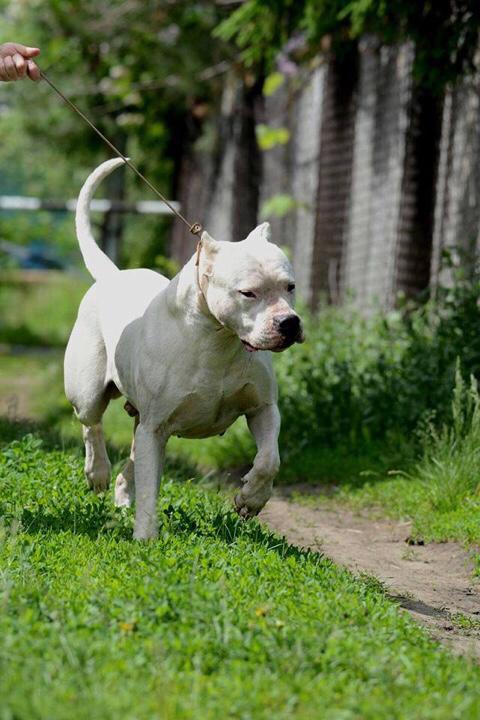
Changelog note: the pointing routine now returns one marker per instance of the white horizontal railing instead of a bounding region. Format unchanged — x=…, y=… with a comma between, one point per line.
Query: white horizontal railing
x=143, y=207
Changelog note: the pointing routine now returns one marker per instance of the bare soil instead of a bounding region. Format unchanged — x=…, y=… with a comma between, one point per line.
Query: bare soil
x=433, y=582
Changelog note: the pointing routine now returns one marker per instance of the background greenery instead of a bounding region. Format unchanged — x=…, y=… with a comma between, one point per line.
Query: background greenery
x=445, y=33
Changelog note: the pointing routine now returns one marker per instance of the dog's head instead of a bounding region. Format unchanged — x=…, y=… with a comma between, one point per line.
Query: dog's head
x=249, y=288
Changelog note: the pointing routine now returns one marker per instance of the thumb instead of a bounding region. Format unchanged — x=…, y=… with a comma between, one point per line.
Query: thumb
x=27, y=52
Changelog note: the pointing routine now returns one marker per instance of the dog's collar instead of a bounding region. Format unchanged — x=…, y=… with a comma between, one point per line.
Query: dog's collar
x=198, y=276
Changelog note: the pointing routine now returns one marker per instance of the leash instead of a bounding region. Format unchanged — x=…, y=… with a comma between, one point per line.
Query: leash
x=195, y=228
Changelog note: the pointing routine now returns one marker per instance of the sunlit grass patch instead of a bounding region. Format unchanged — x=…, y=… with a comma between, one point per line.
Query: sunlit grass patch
x=218, y=618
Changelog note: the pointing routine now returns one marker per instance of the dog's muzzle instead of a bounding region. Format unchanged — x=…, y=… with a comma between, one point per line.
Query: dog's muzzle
x=288, y=330
x=289, y=327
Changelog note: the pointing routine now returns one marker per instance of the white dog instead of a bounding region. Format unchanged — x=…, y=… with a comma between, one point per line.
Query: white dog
x=184, y=355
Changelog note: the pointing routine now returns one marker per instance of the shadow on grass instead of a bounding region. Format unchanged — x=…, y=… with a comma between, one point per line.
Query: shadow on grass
x=13, y=429
x=101, y=519
x=94, y=521
x=98, y=517
x=351, y=465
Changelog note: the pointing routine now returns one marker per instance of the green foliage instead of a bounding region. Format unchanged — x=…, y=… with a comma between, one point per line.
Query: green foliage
x=361, y=380
x=166, y=266
x=261, y=28
x=218, y=618
x=135, y=68
x=439, y=492
x=445, y=32
x=272, y=83
x=130, y=65
x=39, y=312
x=278, y=206
x=450, y=467
x=269, y=137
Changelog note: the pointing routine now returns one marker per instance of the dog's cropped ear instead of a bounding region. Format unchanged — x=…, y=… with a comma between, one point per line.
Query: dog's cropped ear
x=261, y=232
x=209, y=246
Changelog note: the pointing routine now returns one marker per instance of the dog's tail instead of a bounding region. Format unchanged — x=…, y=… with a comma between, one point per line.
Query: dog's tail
x=97, y=263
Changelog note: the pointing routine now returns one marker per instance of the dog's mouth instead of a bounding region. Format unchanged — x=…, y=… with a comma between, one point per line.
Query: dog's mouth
x=280, y=347
x=250, y=348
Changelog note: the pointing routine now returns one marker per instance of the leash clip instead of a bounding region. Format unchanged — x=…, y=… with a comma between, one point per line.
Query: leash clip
x=196, y=228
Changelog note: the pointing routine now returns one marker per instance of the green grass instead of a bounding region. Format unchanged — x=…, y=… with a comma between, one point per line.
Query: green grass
x=218, y=618
x=440, y=490
x=468, y=624
x=39, y=309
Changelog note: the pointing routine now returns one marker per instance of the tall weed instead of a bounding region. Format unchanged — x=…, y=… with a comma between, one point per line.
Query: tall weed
x=450, y=467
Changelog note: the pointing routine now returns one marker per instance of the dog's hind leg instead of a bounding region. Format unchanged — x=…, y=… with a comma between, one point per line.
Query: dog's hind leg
x=125, y=482
x=85, y=387
x=97, y=464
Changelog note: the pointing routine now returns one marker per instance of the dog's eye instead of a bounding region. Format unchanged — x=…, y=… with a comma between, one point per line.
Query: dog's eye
x=291, y=287
x=247, y=293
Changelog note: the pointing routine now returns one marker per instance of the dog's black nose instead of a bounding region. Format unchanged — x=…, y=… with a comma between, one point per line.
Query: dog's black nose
x=288, y=325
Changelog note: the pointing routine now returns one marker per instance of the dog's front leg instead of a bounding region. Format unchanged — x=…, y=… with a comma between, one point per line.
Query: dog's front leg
x=149, y=456
x=265, y=427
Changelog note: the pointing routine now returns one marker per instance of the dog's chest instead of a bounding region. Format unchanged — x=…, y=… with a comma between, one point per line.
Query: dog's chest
x=211, y=409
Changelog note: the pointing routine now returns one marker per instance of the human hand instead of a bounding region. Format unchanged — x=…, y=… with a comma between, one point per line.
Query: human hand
x=16, y=62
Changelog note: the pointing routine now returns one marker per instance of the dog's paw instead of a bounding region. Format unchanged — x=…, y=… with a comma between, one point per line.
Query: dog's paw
x=124, y=492
x=98, y=478
x=249, y=502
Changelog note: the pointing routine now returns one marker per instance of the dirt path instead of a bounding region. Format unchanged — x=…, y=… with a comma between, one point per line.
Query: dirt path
x=432, y=582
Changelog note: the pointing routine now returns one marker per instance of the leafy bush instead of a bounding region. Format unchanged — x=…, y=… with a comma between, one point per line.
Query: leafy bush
x=359, y=381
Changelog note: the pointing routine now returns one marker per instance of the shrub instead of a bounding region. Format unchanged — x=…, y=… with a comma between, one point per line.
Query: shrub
x=359, y=381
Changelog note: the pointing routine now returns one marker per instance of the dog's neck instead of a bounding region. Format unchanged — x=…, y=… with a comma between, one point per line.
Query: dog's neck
x=186, y=296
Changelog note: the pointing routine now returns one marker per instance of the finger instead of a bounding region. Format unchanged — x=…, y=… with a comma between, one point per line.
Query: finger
x=26, y=51
x=3, y=72
x=20, y=64
x=10, y=68
x=33, y=71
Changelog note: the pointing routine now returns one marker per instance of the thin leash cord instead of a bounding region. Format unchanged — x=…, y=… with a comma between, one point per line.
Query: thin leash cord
x=194, y=228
